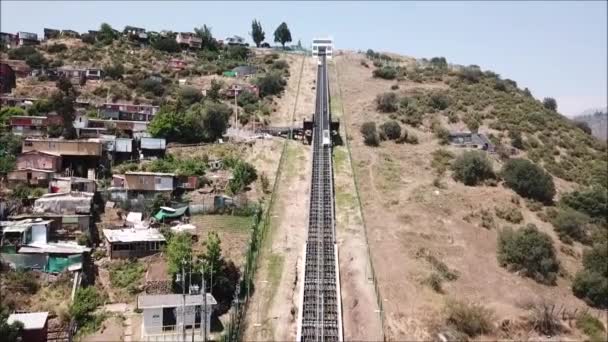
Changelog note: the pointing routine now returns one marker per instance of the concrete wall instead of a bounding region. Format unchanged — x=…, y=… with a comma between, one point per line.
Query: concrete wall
x=149, y=182
x=153, y=319
x=39, y=161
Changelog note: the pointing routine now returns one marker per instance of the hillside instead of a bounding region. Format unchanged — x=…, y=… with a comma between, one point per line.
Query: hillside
x=441, y=236
x=597, y=120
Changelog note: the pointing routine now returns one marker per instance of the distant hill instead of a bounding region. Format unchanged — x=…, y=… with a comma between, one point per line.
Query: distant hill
x=597, y=119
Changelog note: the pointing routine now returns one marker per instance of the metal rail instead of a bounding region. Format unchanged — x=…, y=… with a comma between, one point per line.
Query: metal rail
x=321, y=316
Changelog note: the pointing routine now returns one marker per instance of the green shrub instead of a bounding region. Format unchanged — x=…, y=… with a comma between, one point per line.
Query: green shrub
x=571, y=225
x=370, y=134
x=391, y=130
x=528, y=180
x=86, y=301
x=114, y=71
x=592, y=201
x=387, y=102
x=472, y=168
x=516, y=139
x=22, y=52
x=439, y=101
x=56, y=48
x=469, y=318
x=271, y=83
x=471, y=74
x=591, y=283
x=411, y=139
x=530, y=251
x=190, y=95
x=166, y=44
x=442, y=159
x=442, y=134
x=246, y=98
x=280, y=65
x=385, y=72
x=509, y=213
x=127, y=275
x=153, y=86
x=592, y=327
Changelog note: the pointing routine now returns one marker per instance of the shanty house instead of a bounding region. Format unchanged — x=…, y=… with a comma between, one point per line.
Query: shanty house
x=24, y=232
x=93, y=74
x=237, y=89
x=20, y=68
x=63, y=147
x=163, y=313
x=244, y=70
x=39, y=160
x=473, y=140
x=65, y=203
x=235, y=40
x=30, y=176
x=76, y=76
x=27, y=38
x=149, y=181
x=29, y=126
x=188, y=39
x=133, y=243
x=68, y=184
x=51, y=33
x=177, y=64
x=8, y=79
x=8, y=40
x=63, y=227
x=70, y=34
x=35, y=325
x=128, y=112
x=152, y=147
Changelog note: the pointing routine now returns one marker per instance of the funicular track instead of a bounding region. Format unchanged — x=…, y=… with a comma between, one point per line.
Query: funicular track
x=320, y=309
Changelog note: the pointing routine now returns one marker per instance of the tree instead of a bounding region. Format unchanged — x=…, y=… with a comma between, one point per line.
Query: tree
x=207, y=41
x=6, y=113
x=63, y=103
x=370, y=135
x=550, y=103
x=583, y=126
x=243, y=174
x=179, y=250
x=530, y=251
x=439, y=63
x=472, y=168
x=282, y=34
x=190, y=95
x=391, y=129
x=257, y=33
x=528, y=180
x=215, y=121
x=9, y=332
x=212, y=258
x=106, y=34
x=36, y=60
x=214, y=91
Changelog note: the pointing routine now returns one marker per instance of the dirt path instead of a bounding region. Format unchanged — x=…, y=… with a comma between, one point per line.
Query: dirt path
x=272, y=314
x=361, y=316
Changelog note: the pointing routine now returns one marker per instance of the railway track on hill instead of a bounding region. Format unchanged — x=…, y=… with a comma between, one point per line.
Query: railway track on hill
x=320, y=307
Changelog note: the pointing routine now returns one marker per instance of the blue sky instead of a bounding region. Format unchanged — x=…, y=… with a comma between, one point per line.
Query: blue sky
x=557, y=49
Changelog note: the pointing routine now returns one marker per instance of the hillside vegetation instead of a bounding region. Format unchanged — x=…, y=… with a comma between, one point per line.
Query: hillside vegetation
x=522, y=222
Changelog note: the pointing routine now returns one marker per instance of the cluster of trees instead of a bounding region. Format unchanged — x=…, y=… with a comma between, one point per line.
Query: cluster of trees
x=201, y=122
x=30, y=55
x=389, y=130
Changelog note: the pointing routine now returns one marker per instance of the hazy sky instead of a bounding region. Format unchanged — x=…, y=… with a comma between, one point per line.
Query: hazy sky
x=557, y=49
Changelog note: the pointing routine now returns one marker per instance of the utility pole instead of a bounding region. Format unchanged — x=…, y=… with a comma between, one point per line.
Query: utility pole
x=236, y=117
x=204, y=318
x=184, y=301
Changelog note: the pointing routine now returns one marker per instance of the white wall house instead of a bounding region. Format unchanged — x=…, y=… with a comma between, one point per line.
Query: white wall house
x=163, y=315
x=323, y=44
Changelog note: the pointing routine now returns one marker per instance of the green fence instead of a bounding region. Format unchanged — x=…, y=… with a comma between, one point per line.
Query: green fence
x=234, y=328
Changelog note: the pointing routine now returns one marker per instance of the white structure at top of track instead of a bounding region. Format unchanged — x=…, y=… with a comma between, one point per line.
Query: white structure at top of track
x=326, y=43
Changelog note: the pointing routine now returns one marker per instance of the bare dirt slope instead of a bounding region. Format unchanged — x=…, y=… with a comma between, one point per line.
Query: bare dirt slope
x=272, y=314
x=407, y=218
x=360, y=312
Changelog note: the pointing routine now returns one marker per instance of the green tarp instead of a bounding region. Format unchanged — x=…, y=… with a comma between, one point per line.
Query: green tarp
x=229, y=74
x=164, y=214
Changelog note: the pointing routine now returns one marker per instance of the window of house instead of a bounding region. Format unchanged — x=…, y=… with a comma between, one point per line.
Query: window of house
x=158, y=180
x=28, y=143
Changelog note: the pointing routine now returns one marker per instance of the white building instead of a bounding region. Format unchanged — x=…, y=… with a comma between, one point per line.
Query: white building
x=323, y=45
x=163, y=318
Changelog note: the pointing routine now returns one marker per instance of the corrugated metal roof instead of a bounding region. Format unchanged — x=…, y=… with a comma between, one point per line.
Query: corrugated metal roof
x=133, y=235
x=30, y=320
x=171, y=300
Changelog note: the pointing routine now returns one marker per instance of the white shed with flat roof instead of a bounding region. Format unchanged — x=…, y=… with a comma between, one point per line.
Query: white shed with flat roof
x=322, y=46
